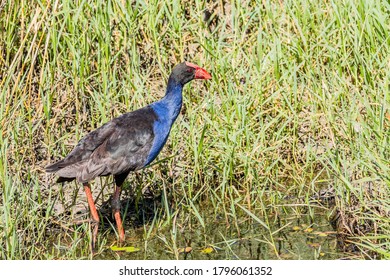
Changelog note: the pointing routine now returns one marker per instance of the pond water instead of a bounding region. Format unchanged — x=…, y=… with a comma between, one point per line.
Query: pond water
x=290, y=237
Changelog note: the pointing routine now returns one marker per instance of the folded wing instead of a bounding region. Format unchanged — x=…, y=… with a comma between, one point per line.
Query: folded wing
x=117, y=147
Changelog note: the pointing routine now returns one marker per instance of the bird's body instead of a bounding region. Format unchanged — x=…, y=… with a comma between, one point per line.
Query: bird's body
x=119, y=146
x=128, y=142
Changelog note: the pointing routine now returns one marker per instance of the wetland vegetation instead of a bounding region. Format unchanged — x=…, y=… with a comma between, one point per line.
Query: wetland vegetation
x=284, y=154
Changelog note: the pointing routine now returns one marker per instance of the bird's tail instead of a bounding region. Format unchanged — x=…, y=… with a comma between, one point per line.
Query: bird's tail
x=52, y=168
x=56, y=167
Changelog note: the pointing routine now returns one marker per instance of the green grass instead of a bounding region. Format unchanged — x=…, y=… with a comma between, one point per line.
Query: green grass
x=298, y=103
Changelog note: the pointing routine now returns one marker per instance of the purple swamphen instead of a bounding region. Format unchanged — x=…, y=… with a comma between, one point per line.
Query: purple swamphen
x=126, y=143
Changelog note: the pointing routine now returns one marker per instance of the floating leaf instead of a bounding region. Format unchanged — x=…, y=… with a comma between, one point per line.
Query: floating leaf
x=308, y=230
x=184, y=250
x=124, y=249
x=207, y=250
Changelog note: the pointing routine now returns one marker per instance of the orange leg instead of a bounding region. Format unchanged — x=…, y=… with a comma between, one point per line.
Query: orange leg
x=116, y=206
x=94, y=214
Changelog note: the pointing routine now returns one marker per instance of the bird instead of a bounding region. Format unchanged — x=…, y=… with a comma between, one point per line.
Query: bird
x=127, y=143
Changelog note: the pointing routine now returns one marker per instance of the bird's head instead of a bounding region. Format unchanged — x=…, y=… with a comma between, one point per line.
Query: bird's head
x=186, y=72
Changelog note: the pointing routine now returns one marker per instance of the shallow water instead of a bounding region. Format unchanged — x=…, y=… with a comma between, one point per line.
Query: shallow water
x=290, y=237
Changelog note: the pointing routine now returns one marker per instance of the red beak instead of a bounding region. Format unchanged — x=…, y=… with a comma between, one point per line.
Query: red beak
x=200, y=73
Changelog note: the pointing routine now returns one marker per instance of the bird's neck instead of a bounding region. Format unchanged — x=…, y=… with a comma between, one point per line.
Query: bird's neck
x=173, y=99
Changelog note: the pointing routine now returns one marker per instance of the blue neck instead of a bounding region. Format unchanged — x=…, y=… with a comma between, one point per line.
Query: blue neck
x=170, y=105
x=167, y=109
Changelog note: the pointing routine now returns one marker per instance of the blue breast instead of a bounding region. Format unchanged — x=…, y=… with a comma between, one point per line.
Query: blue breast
x=167, y=110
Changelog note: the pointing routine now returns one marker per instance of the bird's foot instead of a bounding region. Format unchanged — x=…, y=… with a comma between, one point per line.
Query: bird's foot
x=94, y=214
x=119, y=226
x=116, y=207
x=95, y=229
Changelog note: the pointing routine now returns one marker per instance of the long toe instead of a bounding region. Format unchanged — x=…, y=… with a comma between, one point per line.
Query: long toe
x=95, y=229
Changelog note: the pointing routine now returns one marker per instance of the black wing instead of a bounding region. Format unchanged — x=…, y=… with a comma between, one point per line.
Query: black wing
x=118, y=146
x=85, y=147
